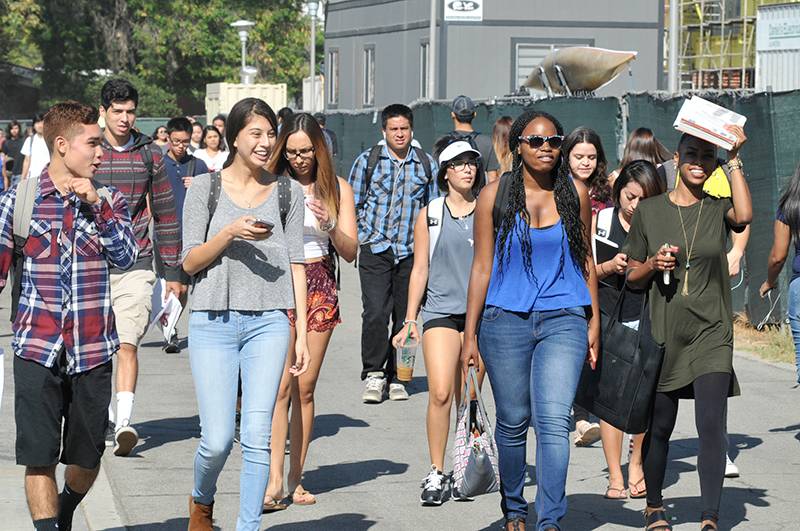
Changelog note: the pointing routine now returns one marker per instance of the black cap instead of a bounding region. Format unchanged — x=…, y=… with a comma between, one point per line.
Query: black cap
x=463, y=107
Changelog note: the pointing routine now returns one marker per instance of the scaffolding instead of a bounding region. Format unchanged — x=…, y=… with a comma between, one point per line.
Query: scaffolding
x=717, y=43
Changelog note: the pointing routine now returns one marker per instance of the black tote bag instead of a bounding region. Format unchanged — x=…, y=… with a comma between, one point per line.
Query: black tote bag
x=621, y=389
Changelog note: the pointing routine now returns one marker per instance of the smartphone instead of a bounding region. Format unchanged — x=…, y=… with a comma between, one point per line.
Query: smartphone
x=263, y=224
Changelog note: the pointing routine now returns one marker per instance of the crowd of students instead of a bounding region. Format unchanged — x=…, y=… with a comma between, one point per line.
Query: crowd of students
x=482, y=251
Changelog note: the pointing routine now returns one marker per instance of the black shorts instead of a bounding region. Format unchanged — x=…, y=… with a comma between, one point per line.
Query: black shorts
x=455, y=322
x=47, y=397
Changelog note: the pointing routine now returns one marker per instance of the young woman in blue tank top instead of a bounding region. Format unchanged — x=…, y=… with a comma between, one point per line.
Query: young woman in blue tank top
x=441, y=274
x=533, y=294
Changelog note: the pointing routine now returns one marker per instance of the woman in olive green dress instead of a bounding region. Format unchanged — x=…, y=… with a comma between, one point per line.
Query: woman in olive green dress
x=680, y=237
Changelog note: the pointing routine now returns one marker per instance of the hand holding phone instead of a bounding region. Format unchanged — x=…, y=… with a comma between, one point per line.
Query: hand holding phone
x=263, y=224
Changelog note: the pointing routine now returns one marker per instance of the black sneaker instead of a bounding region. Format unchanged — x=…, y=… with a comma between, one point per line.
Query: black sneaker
x=110, y=431
x=432, y=488
x=173, y=345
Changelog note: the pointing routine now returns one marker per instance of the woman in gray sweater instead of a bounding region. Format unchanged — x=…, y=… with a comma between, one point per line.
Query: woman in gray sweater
x=248, y=272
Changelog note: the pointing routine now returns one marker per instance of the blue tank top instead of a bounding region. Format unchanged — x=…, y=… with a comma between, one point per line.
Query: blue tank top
x=556, y=281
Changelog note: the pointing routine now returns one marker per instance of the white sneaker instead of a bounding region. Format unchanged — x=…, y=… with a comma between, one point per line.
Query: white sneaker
x=375, y=388
x=125, y=440
x=397, y=391
x=731, y=470
x=586, y=433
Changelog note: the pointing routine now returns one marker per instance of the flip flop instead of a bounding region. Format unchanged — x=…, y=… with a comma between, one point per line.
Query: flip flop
x=301, y=496
x=621, y=493
x=272, y=505
x=636, y=486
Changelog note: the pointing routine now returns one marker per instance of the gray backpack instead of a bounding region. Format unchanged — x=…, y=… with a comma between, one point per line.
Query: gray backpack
x=27, y=191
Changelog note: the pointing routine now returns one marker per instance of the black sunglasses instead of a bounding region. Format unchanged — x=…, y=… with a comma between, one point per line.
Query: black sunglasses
x=537, y=141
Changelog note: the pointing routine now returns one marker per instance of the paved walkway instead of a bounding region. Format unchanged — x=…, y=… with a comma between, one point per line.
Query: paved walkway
x=366, y=462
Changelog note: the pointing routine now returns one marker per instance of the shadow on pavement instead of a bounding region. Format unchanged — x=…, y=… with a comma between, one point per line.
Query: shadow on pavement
x=331, y=477
x=794, y=427
x=329, y=425
x=156, y=433
x=173, y=524
x=686, y=448
x=339, y=522
x=586, y=512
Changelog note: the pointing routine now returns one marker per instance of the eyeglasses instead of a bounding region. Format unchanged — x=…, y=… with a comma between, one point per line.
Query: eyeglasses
x=177, y=143
x=537, y=141
x=305, y=153
x=461, y=165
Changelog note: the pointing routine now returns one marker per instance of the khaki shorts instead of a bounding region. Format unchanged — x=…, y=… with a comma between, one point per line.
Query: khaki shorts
x=131, y=299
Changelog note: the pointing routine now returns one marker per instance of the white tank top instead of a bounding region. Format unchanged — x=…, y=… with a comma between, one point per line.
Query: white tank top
x=315, y=241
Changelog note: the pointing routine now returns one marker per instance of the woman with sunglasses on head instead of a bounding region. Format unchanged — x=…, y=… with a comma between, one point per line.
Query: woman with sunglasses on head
x=329, y=223
x=636, y=182
x=443, y=251
x=533, y=294
x=246, y=255
x=690, y=306
x=161, y=139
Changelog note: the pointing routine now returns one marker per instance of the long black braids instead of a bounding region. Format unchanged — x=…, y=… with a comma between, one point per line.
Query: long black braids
x=566, y=198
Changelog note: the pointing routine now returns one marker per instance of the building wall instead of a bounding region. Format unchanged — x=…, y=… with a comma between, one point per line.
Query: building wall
x=478, y=58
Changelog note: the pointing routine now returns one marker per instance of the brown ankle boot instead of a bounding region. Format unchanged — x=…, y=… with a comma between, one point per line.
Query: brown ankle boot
x=200, y=516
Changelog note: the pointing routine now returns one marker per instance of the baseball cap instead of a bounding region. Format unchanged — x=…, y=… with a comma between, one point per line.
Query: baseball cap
x=463, y=106
x=455, y=149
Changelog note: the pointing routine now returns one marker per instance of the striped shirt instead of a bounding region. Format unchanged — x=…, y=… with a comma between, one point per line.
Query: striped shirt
x=387, y=211
x=65, y=302
x=126, y=171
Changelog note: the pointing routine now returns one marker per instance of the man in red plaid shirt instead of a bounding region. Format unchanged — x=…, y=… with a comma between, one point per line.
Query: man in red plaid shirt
x=64, y=330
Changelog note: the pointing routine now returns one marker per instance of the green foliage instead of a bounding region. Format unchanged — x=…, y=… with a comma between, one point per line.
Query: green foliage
x=170, y=50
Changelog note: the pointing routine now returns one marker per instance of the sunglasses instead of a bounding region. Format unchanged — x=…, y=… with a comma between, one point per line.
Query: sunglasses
x=537, y=141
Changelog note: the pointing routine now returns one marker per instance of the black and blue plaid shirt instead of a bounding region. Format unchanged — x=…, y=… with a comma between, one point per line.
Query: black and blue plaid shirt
x=387, y=211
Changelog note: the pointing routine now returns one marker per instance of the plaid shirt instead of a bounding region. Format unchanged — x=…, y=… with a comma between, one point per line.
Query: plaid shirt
x=65, y=300
x=398, y=191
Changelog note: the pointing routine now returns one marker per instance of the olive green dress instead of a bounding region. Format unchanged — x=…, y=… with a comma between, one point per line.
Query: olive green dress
x=697, y=328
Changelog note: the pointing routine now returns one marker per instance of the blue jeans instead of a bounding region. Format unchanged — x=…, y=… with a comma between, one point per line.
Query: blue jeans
x=534, y=361
x=221, y=345
x=794, y=320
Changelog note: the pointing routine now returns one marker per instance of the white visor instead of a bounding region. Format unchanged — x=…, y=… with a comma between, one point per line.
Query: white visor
x=455, y=149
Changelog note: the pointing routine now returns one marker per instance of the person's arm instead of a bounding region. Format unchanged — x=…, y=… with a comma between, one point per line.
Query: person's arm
x=345, y=233
x=483, y=259
x=6, y=234
x=741, y=214
x=418, y=279
x=167, y=229
x=293, y=232
x=26, y=152
x=115, y=230
x=26, y=166
x=357, y=180
x=591, y=281
x=642, y=268
x=738, y=247
x=777, y=256
x=433, y=187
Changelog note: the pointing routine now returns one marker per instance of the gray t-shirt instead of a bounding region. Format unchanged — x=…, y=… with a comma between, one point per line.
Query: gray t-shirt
x=449, y=270
x=248, y=275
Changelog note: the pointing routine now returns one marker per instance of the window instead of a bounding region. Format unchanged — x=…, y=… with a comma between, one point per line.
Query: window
x=368, y=99
x=333, y=77
x=424, y=50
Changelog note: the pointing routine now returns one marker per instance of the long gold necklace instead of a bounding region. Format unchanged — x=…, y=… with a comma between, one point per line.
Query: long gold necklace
x=689, y=248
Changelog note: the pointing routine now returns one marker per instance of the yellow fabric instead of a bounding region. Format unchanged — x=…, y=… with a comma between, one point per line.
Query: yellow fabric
x=717, y=185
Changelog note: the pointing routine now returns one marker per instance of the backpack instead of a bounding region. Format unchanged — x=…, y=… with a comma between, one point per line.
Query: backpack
x=284, y=197
x=374, y=156
x=21, y=225
x=435, y=217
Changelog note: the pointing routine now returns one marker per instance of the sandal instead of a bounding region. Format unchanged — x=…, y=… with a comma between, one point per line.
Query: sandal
x=515, y=524
x=301, y=496
x=621, y=494
x=272, y=505
x=637, y=491
x=656, y=520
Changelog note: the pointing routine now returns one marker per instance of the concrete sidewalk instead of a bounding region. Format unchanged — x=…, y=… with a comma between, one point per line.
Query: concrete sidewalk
x=366, y=461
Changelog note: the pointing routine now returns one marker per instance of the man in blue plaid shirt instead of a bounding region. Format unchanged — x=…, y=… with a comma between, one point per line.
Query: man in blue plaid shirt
x=388, y=200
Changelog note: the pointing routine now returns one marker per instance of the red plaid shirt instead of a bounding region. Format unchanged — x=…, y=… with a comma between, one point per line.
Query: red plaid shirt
x=66, y=297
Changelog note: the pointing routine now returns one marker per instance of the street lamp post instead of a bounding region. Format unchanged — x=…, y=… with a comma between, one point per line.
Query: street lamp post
x=312, y=11
x=244, y=27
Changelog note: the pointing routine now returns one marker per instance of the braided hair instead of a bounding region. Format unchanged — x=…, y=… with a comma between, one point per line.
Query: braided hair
x=566, y=198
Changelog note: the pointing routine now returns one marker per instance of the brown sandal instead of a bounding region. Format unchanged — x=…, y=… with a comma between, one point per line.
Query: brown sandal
x=301, y=496
x=272, y=505
x=656, y=520
x=640, y=492
x=621, y=494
